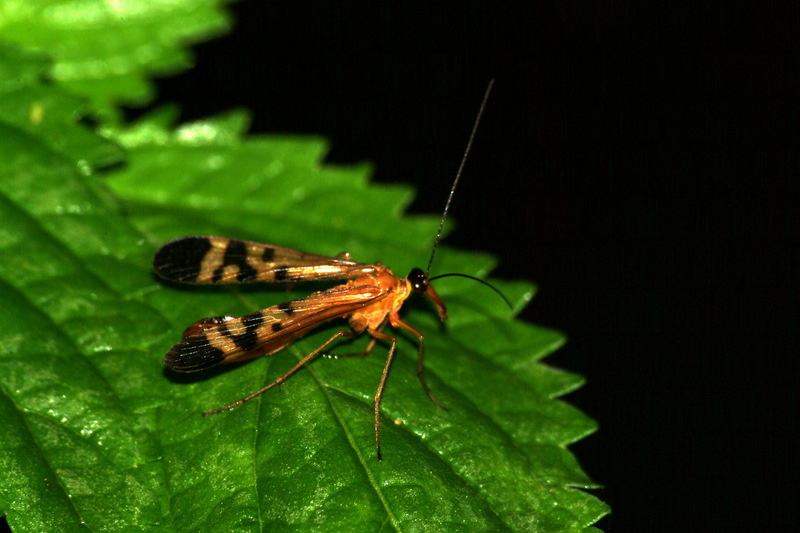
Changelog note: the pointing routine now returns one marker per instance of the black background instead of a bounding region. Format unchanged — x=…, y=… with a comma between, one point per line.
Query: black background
x=639, y=163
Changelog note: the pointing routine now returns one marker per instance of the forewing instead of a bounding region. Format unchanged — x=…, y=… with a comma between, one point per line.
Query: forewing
x=229, y=339
x=216, y=260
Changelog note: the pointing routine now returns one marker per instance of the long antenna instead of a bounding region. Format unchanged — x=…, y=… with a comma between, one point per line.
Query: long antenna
x=458, y=174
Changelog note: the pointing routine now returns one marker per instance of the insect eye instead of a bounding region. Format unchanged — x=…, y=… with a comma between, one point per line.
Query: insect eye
x=418, y=280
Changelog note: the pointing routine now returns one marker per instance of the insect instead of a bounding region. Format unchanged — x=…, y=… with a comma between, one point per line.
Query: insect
x=370, y=299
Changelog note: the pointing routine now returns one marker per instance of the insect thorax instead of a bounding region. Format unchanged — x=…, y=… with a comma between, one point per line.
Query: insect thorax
x=395, y=289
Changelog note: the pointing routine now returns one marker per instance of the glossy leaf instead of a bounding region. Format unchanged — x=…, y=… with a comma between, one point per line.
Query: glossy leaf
x=108, y=50
x=99, y=436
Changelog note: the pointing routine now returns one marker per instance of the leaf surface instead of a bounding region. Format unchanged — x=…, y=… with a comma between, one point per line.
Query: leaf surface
x=99, y=436
x=108, y=50
x=77, y=447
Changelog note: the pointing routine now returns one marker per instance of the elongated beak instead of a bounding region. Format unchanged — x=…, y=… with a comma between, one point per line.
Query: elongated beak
x=440, y=307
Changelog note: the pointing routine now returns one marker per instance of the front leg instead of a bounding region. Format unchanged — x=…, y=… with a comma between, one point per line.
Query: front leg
x=396, y=322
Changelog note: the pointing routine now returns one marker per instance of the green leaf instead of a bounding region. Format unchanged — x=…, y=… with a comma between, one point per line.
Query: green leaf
x=78, y=445
x=107, y=50
x=304, y=456
x=46, y=112
x=97, y=434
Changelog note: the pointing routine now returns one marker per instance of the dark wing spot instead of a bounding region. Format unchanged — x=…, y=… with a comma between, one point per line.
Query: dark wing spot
x=180, y=259
x=253, y=320
x=235, y=254
x=281, y=273
x=249, y=340
x=276, y=327
x=285, y=307
x=224, y=331
x=268, y=255
x=216, y=277
x=192, y=355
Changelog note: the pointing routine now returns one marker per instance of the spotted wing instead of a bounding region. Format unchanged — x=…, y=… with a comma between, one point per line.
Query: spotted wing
x=229, y=339
x=215, y=260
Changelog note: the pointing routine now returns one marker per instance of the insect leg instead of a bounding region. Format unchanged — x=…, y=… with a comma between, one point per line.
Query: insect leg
x=376, y=334
x=284, y=377
x=420, y=368
x=368, y=350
